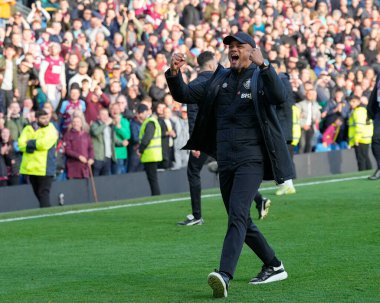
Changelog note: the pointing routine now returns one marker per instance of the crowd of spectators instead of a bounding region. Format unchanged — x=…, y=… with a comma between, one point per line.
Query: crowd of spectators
x=90, y=64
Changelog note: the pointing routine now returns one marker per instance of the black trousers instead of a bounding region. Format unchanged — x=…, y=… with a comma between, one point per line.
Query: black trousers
x=306, y=140
x=41, y=187
x=194, y=168
x=102, y=168
x=362, y=157
x=151, y=173
x=376, y=139
x=6, y=97
x=239, y=185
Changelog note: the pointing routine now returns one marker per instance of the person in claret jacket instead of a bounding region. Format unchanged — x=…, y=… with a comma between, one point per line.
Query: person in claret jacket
x=78, y=149
x=95, y=101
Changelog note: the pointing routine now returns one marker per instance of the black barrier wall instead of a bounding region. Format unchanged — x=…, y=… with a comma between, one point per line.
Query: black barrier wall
x=113, y=188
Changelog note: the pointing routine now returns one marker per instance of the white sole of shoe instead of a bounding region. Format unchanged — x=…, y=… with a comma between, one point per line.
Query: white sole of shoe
x=275, y=278
x=217, y=284
x=197, y=222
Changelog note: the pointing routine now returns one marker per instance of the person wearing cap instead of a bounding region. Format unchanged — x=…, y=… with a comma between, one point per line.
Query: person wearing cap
x=373, y=109
x=237, y=124
x=37, y=143
x=120, y=54
x=150, y=147
x=134, y=164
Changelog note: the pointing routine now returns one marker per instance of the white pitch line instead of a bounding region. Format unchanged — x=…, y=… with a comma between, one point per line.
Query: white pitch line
x=73, y=212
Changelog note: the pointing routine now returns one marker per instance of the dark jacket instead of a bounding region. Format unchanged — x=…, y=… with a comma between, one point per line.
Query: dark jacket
x=277, y=162
x=192, y=109
x=373, y=106
x=284, y=110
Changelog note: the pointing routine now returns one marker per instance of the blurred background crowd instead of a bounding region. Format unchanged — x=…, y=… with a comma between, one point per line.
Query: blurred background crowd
x=91, y=65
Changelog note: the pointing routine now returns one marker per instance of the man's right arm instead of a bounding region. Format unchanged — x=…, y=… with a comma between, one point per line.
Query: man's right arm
x=182, y=92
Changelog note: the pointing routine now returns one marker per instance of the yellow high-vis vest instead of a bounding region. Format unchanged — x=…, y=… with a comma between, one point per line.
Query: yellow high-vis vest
x=360, y=128
x=153, y=152
x=296, y=131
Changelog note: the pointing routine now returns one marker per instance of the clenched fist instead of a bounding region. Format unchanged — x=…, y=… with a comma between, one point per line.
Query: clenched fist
x=178, y=60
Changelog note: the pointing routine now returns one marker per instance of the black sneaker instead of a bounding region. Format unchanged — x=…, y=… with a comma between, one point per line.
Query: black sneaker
x=219, y=283
x=263, y=208
x=190, y=220
x=270, y=274
x=375, y=176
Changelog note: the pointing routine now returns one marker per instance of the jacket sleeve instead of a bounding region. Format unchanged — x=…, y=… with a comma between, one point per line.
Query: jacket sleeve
x=181, y=92
x=96, y=129
x=48, y=140
x=105, y=100
x=15, y=78
x=273, y=87
x=372, y=102
x=124, y=132
x=192, y=111
x=23, y=139
x=148, y=135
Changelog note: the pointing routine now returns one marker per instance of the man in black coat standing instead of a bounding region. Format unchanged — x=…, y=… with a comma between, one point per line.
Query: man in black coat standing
x=207, y=65
x=237, y=124
x=373, y=109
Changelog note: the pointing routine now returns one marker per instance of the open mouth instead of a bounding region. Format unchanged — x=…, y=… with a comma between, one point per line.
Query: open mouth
x=234, y=59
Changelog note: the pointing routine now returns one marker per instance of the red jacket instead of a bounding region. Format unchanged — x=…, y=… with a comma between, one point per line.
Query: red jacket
x=93, y=108
x=77, y=144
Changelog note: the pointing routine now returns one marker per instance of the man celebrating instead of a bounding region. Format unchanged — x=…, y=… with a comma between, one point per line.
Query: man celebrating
x=37, y=142
x=237, y=124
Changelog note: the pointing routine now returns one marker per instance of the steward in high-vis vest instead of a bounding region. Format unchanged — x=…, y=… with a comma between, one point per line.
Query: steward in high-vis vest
x=150, y=147
x=37, y=143
x=360, y=131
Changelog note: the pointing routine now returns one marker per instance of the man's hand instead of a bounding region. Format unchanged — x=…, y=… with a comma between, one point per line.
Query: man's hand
x=125, y=142
x=82, y=159
x=178, y=60
x=256, y=56
x=196, y=153
x=90, y=162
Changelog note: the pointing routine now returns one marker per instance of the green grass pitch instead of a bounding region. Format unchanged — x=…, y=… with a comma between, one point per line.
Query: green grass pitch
x=327, y=235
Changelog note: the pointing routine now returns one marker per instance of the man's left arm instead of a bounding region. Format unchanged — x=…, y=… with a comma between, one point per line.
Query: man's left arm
x=273, y=87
